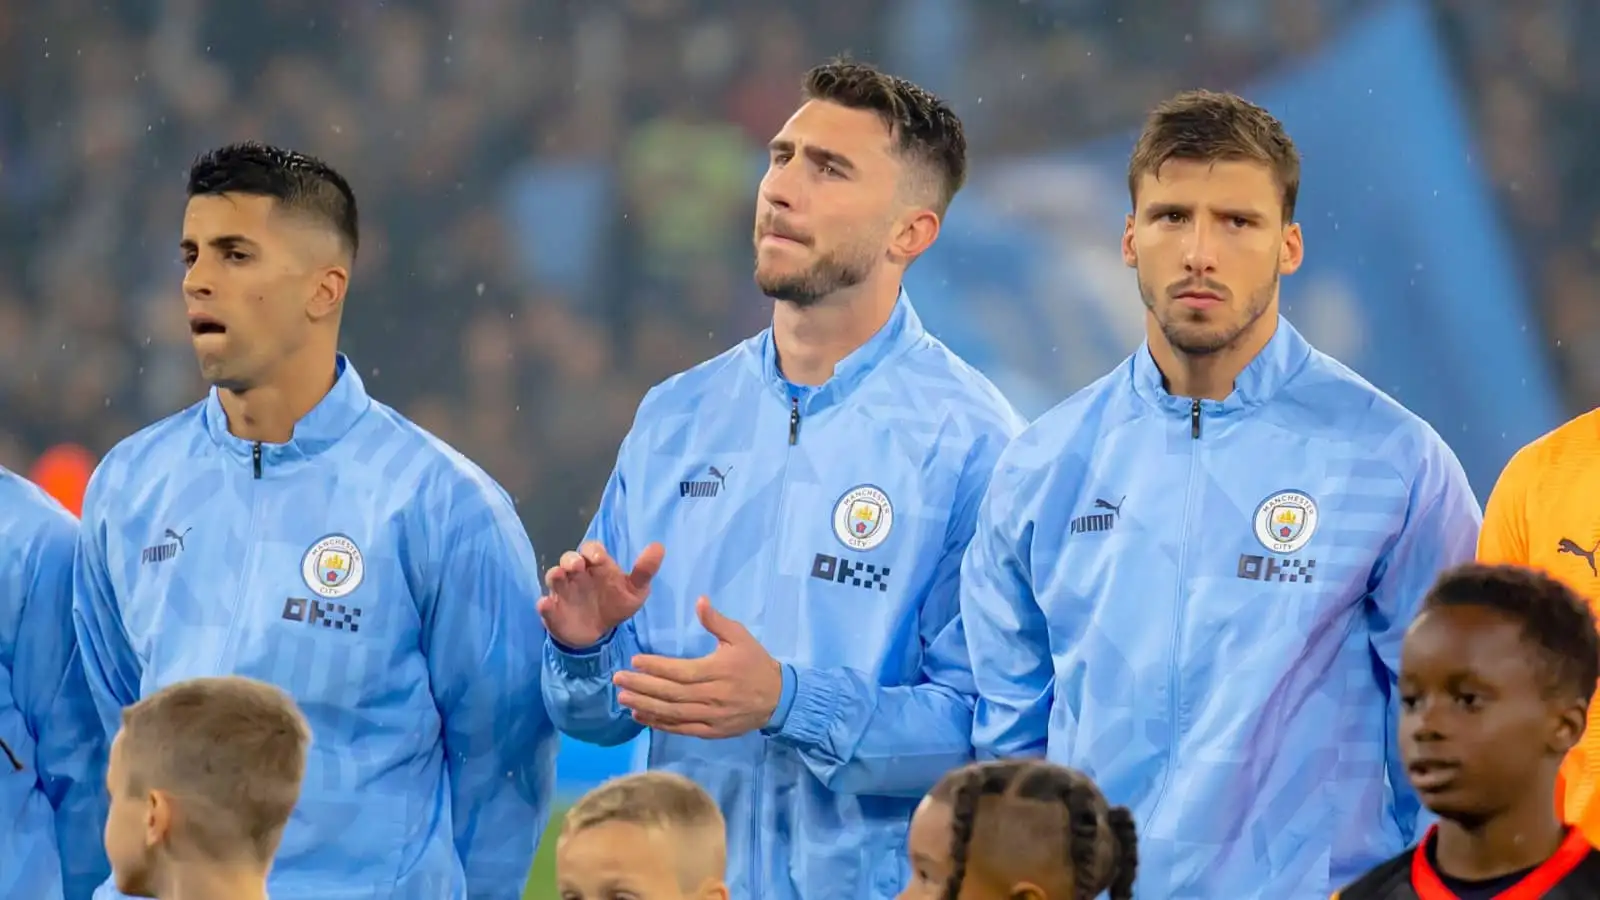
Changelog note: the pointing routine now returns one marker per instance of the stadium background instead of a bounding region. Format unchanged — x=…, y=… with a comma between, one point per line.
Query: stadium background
x=556, y=201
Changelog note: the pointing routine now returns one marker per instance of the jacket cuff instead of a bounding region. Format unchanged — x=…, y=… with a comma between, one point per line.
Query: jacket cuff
x=586, y=662
x=819, y=702
x=780, y=713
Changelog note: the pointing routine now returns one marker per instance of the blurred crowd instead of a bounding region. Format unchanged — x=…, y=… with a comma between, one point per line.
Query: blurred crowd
x=556, y=195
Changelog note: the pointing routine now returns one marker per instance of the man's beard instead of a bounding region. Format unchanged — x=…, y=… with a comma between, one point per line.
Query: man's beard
x=830, y=274
x=1194, y=339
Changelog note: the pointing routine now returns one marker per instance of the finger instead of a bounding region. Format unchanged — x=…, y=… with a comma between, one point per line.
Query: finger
x=647, y=565
x=569, y=585
x=594, y=553
x=662, y=709
x=560, y=581
x=701, y=730
x=720, y=626
x=688, y=729
x=683, y=671
x=573, y=562
x=657, y=688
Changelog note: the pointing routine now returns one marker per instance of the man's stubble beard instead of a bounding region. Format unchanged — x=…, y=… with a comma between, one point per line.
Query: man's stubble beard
x=1204, y=342
x=829, y=274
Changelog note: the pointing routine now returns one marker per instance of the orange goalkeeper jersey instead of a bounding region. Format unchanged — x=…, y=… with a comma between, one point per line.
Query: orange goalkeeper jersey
x=1545, y=513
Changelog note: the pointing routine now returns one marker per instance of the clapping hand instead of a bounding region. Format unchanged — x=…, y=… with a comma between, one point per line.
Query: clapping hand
x=589, y=594
x=731, y=691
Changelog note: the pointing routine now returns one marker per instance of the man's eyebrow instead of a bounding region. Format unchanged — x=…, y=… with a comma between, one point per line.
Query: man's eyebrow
x=220, y=242
x=818, y=155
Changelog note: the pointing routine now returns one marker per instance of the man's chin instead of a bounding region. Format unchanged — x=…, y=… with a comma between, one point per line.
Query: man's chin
x=1198, y=340
x=785, y=288
x=221, y=376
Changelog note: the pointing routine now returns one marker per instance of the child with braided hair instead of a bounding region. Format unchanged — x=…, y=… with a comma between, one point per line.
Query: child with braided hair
x=1020, y=830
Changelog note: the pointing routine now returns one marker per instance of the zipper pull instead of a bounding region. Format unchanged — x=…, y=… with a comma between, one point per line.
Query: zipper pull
x=255, y=458
x=1194, y=419
x=794, y=420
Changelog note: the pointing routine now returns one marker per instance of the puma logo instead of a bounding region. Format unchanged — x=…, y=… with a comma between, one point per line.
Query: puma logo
x=1098, y=522
x=179, y=537
x=170, y=546
x=709, y=488
x=1568, y=545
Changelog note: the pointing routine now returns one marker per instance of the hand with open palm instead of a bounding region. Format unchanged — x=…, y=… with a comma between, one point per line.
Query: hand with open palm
x=589, y=594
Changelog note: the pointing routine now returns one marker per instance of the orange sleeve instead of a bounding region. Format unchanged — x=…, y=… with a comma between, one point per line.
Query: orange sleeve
x=1504, y=537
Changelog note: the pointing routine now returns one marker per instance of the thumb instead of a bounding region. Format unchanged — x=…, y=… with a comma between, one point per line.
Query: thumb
x=724, y=629
x=646, y=566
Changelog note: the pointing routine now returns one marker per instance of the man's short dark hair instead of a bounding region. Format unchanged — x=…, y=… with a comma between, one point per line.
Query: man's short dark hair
x=924, y=129
x=1210, y=127
x=299, y=182
x=1556, y=623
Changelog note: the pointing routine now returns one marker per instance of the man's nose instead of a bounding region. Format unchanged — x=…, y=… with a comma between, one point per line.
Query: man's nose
x=1198, y=255
x=197, y=282
x=780, y=188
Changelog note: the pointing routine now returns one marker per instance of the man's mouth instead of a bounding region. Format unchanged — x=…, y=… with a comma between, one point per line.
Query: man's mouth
x=200, y=323
x=1199, y=299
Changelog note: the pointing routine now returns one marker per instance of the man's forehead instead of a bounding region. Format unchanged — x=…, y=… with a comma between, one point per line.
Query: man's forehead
x=841, y=129
x=1226, y=180
x=211, y=211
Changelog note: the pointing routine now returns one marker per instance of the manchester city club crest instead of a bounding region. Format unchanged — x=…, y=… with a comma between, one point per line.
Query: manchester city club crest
x=862, y=517
x=332, y=567
x=1286, y=521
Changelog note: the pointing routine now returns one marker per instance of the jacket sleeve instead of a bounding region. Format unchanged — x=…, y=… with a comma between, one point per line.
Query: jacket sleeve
x=1007, y=634
x=859, y=737
x=110, y=665
x=1505, y=518
x=578, y=692
x=481, y=635
x=48, y=683
x=1440, y=531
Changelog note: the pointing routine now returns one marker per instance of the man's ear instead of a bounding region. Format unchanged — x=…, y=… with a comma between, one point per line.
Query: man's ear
x=328, y=298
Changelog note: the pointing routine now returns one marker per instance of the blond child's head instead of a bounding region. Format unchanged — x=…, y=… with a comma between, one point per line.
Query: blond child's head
x=651, y=836
x=203, y=775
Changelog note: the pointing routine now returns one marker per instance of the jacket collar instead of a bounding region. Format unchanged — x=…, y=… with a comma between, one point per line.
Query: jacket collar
x=902, y=331
x=331, y=419
x=1280, y=360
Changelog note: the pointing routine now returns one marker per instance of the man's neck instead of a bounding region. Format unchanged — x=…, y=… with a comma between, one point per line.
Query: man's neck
x=268, y=412
x=216, y=882
x=1208, y=376
x=811, y=340
x=1512, y=842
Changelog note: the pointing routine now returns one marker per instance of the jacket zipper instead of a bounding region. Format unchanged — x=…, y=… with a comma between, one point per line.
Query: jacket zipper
x=756, y=806
x=1174, y=684
x=244, y=574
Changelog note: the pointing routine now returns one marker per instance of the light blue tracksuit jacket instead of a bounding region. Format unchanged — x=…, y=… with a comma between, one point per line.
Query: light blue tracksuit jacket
x=52, y=748
x=380, y=578
x=831, y=522
x=1201, y=604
